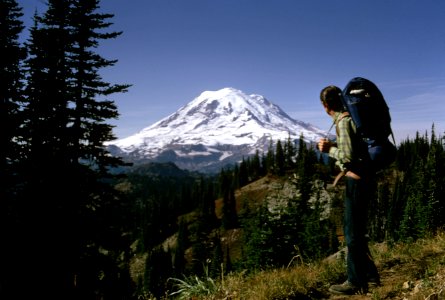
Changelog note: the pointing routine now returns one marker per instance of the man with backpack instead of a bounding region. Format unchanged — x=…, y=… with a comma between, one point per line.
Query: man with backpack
x=351, y=155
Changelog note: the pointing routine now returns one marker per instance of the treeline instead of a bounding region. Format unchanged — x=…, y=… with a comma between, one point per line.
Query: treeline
x=410, y=202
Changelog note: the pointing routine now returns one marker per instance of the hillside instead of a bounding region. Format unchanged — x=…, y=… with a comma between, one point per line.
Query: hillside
x=412, y=270
x=408, y=271
x=270, y=239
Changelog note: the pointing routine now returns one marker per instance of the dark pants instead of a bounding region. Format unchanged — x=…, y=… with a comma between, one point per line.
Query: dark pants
x=360, y=265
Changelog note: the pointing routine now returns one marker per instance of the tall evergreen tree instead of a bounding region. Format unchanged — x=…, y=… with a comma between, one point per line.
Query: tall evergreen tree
x=269, y=159
x=207, y=205
x=230, y=217
x=68, y=167
x=279, y=159
x=158, y=269
x=11, y=85
x=217, y=261
x=179, y=251
x=435, y=168
x=258, y=239
x=305, y=171
x=243, y=177
x=11, y=97
x=257, y=171
x=290, y=152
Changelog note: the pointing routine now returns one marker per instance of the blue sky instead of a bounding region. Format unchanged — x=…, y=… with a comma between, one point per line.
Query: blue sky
x=285, y=50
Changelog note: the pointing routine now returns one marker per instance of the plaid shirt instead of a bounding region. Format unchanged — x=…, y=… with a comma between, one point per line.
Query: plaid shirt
x=343, y=151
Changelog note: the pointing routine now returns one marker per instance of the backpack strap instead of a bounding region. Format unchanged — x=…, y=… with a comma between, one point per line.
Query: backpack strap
x=341, y=117
x=344, y=114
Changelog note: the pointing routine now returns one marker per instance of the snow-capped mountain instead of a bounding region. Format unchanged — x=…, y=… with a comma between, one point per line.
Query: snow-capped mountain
x=214, y=129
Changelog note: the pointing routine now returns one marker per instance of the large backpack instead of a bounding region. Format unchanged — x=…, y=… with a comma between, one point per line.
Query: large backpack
x=370, y=114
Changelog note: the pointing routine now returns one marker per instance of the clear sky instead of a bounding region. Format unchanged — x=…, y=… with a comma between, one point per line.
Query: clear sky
x=285, y=50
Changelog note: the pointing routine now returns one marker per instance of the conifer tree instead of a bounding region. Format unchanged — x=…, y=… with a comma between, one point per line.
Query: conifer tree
x=237, y=175
x=314, y=236
x=279, y=159
x=11, y=86
x=68, y=168
x=158, y=269
x=256, y=166
x=181, y=246
x=286, y=226
x=290, y=153
x=269, y=161
x=305, y=171
x=378, y=212
x=435, y=168
x=229, y=217
x=301, y=150
x=11, y=98
x=217, y=261
x=258, y=240
x=243, y=173
x=207, y=206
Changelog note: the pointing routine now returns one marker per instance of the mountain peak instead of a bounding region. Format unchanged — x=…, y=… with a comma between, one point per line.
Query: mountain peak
x=227, y=100
x=215, y=126
x=220, y=93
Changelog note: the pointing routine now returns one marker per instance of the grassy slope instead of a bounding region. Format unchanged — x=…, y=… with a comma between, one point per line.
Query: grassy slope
x=408, y=271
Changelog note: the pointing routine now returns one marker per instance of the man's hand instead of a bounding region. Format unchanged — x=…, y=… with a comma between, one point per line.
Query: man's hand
x=324, y=145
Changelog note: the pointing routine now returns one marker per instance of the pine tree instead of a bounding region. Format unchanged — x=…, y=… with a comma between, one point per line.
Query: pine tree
x=269, y=159
x=305, y=171
x=435, y=168
x=279, y=159
x=378, y=212
x=258, y=240
x=68, y=168
x=217, y=261
x=207, y=206
x=158, y=269
x=243, y=173
x=11, y=98
x=11, y=86
x=229, y=217
x=181, y=246
x=315, y=235
x=289, y=153
x=285, y=225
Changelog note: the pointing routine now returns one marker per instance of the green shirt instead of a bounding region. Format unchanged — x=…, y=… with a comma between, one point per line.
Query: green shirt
x=343, y=151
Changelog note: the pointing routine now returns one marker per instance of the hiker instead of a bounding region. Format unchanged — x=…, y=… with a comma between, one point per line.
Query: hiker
x=359, y=188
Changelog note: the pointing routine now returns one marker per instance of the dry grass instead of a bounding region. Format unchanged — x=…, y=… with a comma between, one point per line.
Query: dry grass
x=305, y=281
x=409, y=271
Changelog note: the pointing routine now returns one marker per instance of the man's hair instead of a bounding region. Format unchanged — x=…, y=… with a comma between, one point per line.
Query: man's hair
x=331, y=96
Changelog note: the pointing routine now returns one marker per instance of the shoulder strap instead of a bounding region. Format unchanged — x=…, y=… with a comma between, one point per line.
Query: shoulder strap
x=341, y=117
x=344, y=114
